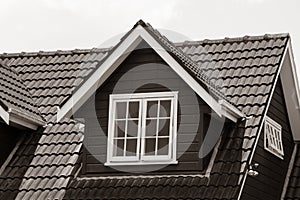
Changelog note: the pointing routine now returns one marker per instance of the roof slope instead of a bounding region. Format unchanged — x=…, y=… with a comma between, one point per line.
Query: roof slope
x=51, y=77
x=14, y=96
x=43, y=163
x=243, y=68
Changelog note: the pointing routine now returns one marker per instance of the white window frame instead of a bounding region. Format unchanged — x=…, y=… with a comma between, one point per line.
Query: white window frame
x=140, y=158
x=274, y=138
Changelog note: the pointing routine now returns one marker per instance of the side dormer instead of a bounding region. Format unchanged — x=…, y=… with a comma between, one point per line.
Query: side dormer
x=146, y=107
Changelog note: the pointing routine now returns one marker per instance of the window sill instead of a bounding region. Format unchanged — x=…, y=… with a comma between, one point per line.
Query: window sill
x=140, y=163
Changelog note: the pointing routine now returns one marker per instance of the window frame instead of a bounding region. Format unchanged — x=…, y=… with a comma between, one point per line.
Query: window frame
x=142, y=159
x=277, y=129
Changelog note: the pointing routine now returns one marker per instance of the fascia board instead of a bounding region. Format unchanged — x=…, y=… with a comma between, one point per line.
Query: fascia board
x=4, y=115
x=117, y=57
x=290, y=85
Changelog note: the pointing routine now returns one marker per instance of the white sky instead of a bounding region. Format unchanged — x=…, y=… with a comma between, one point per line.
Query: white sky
x=34, y=25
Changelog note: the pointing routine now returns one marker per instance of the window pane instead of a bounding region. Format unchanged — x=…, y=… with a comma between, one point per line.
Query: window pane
x=151, y=127
x=133, y=109
x=163, y=146
x=152, y=108
x=164, y=127
x=118, y=147
x=132, y=128
x=120, y=129
x=150, y=146
x=121, y=110
x=131, y=147
x=165, y=108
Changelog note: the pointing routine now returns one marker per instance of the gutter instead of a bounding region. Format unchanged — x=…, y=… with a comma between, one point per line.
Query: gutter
x=20, y=118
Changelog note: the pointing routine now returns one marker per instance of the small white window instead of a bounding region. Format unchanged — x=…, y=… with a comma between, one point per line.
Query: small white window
x=273, y=137
x=142, y=128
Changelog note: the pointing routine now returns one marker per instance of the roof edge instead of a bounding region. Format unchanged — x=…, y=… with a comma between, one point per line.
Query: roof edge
x=188, y=42
x=245, y=38
x=24, y=119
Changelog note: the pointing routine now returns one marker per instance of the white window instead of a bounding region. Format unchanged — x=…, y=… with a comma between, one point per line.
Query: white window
x=142, y=128
x=273, y=137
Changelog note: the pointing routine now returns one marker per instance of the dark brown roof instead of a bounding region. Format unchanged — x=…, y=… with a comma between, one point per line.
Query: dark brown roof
x=243, y=68
x=15, y=97
x=42, y=165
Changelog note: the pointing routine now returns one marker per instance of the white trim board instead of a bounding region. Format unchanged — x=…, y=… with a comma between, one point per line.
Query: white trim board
x=244, y=177
x=140, y=158
x=13, y=116
x=118, y=56
x=290, y=86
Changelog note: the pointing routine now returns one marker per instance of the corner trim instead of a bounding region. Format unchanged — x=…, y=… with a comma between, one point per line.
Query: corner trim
x=287, y=178
x=4, y=115
x=263, y=118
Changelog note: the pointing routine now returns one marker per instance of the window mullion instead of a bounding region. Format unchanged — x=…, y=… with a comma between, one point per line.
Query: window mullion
x=126, y=126
x=171, y=129
x=140, y=130
x=157, y=127
x=143, y=133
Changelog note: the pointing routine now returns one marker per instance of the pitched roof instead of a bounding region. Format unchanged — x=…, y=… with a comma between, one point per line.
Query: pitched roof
x=244, y=69
x=43, y=163
x=15, y=97
x=186, y=68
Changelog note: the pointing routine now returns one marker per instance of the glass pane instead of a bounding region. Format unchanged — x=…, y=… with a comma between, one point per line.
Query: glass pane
x=120, y=129
x=133, y=109
x=163, y=146
x=121, y=110
x=132, y=128
x=151, y=127
x=131, y=147
x=164, y=127
x=152, y=108
x=150, y=146
x=118, y=147
x=165, y=108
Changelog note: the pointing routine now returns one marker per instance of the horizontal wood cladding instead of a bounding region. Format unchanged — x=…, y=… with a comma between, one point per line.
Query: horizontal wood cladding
x=143, y=71
x=8, y=139
x=272, y=170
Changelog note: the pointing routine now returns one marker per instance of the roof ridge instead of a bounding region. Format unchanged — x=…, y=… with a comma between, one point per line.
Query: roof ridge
x=188, y=42
x=187, y=61
x=55, y=52
x=234, y=39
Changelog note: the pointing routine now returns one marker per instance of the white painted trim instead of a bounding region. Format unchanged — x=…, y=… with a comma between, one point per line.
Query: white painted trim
x=290, y=87
x=231, y=112
x=22, y=122
x=163, y=162
x=140, y=176
x=140, y=159
x=16, y=117
x=118, y=56
x=294, y=72
x=4, y=115
x=263, y=118
x=277, y=126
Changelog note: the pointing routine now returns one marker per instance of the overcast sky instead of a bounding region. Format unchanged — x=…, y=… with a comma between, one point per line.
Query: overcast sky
x=34, y=25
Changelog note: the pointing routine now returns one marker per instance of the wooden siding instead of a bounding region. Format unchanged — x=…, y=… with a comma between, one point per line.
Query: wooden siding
x=8, y=139
x=143, y=71
x=272, y=170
